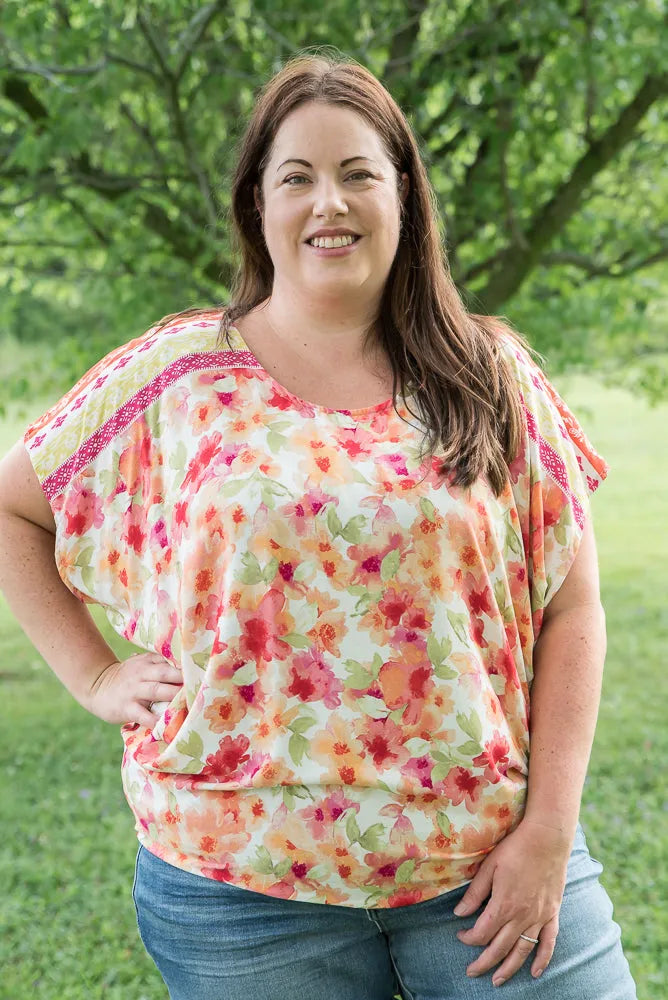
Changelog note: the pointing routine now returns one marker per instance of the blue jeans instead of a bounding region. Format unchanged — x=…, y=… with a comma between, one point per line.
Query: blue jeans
x=214, y=941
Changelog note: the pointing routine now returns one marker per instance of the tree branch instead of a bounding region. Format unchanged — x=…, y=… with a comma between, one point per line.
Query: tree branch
x=513, y=264
x=597, y=269
x=171, y=89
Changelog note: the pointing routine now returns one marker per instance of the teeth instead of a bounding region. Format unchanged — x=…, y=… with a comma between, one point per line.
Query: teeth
x=332, y=241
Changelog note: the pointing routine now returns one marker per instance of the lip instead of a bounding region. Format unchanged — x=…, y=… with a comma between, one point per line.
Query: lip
x=332, y=232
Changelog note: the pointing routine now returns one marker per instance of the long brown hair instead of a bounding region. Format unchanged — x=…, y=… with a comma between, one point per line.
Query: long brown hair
x=448, y=358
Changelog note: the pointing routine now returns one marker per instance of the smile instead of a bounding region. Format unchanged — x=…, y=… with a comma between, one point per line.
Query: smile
x=334, y=246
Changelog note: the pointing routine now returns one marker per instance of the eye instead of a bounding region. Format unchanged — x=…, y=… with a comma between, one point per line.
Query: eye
x=300, y=177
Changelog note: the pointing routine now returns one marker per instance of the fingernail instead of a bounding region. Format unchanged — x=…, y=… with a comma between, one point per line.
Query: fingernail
x=498, y=982
x=459, y=909
x=538, y=973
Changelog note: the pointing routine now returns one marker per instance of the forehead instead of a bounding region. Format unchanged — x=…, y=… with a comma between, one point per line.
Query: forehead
x=324, y=132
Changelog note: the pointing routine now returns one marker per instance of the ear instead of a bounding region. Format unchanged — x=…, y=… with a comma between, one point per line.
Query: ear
x=257, y=197
x=405, y=187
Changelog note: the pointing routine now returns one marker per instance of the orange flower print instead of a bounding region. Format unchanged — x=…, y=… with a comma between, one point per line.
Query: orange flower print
x=403, y=684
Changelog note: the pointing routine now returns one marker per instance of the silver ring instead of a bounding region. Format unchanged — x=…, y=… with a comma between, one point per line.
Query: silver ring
x=527, y=938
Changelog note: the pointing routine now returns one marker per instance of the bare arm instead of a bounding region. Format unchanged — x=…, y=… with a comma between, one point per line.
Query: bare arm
x=566, y=692
x=59, y=626
x=56, y=622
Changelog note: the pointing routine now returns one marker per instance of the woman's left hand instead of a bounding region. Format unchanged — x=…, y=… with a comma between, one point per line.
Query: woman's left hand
x=525, y=875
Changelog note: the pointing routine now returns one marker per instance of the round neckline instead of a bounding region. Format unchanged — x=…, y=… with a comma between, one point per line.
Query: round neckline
x=358, y=411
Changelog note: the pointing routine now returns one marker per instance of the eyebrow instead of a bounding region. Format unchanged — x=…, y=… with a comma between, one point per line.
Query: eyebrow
x=305, y=163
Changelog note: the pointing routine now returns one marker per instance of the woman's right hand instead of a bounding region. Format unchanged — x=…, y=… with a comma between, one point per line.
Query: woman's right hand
x=125, y=689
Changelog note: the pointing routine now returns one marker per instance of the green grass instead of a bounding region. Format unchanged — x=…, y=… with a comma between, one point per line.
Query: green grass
x=68, y=849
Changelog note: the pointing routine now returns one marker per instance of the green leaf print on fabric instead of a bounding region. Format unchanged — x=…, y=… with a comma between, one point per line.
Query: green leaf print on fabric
x=438, y=652
x=358, y=678
x=444, y=824
x=192, y=747
x=353, y=531
x=178, y=458
x=458, y=624
x=298, y=745
x=405, y=871
x=373, y=838
x=428, y=509
x=470, y=724
x=297, y=641
x=245, y=675
x=252, y=572
x=389, y=565
x=333, y=521
x=263, y=863
x=470, y=748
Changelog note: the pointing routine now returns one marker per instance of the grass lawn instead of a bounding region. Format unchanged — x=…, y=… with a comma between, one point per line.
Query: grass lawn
x=68, y=850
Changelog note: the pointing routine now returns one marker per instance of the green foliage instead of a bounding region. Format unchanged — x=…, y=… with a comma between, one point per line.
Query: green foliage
x=541, y=125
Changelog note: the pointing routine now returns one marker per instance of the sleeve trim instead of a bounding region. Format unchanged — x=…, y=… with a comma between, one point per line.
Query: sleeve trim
x=128, y=412
x=554, y=465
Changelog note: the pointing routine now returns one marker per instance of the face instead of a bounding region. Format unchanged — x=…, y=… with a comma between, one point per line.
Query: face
x=326, y=192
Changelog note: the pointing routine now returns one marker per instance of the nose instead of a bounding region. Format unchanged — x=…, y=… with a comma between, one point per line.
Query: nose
x=329, y=200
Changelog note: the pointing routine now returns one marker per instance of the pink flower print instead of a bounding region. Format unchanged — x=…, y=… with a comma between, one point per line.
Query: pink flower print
x=38, y=440
x=383, y=739
x=397, y=463
x=134, y=524
x=593, y=484
x=78, y=403
x=320, y=816
x=461, y=786
x=312, y=680
x=83, y=510
x=209, y=449
x=479, y=599
x=494, y=758
x=61, y=420
x=261, y=629
x=393, y=604
x=100, y=381
x=402, y=827
x=123, y=362
x=419, y=769
x=225, y=763
x=159, y=534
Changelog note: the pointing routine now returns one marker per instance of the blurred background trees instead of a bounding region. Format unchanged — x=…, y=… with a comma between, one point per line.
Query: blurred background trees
x=542, y=125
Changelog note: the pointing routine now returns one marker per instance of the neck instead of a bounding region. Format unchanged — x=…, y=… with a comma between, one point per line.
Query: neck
x=332, y=329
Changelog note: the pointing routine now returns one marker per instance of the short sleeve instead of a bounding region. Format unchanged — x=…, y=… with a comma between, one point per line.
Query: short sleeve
x=552, y=478
x=87, y=452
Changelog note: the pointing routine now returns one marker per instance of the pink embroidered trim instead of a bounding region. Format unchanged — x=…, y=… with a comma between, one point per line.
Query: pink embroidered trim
x=554, y=465
x=135, y=406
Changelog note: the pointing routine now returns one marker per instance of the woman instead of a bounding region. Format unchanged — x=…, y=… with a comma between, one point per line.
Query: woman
x=372, y=667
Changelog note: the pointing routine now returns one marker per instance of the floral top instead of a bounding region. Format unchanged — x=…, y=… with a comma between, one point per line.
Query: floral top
x=355, y=632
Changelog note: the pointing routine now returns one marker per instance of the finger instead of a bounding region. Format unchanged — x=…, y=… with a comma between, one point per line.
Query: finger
x=516, y=957
x=500, y=946
x=545, y=949
x=143, y=716
x=487, y=926
x=158, y=691
x=477, y=892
